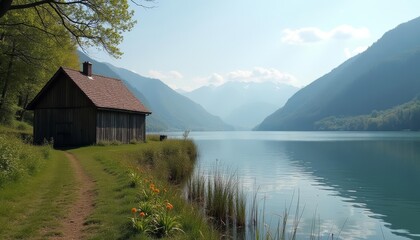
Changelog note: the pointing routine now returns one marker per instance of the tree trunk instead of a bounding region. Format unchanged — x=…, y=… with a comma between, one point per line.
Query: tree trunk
x=5, y=6
x=8, y=74
x=23, y=104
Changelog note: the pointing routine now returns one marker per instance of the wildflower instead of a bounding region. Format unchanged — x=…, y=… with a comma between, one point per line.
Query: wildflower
x=134, y=210
x=156, y=190
x=152, y=186
x=169, y=206
x=142, y=214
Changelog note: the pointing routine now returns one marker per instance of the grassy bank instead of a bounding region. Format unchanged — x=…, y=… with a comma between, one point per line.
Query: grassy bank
x=148, y=178
x=38, y=186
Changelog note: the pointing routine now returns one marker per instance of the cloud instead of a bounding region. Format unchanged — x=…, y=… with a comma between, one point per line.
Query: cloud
x=216, y=79
x=173, y=79
x=165, y=76
x=260, y=74
x=176, y=80
x=353, y=52
x=313, y=34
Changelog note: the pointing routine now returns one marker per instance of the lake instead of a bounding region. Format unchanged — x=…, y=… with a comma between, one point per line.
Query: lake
x=356, y=185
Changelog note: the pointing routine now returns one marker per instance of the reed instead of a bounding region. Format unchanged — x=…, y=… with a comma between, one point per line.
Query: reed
x=221, y=197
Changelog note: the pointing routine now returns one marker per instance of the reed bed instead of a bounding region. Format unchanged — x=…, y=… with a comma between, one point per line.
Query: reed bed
x=221, y=197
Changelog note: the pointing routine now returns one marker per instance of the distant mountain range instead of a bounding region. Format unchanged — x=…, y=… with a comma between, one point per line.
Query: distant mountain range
x=384, y=76
x=170, y=110
x=242, y=104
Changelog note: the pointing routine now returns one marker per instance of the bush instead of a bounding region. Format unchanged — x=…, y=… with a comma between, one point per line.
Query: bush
x=18, y=159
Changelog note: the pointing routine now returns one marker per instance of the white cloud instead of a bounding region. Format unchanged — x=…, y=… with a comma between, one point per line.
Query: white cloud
x=164, y=76
x=176, y=80
x=239, y=74
x=260, y=74
x=348, y=32
x=353, y=52
x=313, y=34
x=216, y=79
x=173, y=79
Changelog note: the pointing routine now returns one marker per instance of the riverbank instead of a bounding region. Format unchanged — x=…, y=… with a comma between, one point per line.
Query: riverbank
x=38, y=205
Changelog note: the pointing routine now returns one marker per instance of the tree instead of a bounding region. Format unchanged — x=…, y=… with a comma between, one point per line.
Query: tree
x=28, y=58
x=90, y=22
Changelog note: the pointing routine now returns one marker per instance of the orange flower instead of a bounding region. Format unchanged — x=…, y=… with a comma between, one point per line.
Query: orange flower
x=169, y=206
x=152, y=186
x=156, y=190
x=134, y=210
x=142, y=214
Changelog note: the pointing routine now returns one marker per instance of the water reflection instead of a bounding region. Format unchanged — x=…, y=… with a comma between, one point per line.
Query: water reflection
x=382, y=176
x=362, y=185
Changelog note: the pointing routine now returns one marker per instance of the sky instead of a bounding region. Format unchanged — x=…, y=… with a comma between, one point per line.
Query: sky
x=192, y=43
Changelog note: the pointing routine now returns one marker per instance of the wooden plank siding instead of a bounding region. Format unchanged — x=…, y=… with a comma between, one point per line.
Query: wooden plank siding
x=66, y=126
x=64, y=93
x=65, y=115
x=120, y=126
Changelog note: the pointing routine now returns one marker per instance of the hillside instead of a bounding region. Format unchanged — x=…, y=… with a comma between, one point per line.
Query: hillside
x=242, y=104
x=170, y=110
x=399, y=118
x=382, y=77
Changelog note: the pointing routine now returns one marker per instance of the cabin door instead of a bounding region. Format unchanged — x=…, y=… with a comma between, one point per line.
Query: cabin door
x=62, y=134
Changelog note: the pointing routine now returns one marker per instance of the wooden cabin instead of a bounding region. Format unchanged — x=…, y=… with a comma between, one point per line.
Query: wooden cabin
x=78, y=108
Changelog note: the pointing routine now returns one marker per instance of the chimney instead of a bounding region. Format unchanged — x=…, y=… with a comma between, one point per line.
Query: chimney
x=87, y=68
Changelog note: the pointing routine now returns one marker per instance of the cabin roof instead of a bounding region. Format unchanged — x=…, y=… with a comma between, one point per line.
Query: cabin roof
x=104, y=92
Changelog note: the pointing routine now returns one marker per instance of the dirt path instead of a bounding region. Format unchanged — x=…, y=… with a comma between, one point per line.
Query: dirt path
x=78, y=212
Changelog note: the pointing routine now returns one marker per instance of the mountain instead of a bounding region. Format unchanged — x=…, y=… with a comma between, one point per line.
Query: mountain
x=401, y=117
x=242, y=104
x=387, y=74
x=170, y=110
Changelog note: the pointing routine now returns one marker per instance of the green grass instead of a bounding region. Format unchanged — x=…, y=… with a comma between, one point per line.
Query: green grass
x=121, y=173
x=33, y=207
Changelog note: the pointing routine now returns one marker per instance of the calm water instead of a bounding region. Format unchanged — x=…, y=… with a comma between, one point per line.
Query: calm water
x=360, y=185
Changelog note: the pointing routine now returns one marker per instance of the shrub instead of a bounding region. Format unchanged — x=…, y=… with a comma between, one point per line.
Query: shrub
x=18, y=159
x=153, y=137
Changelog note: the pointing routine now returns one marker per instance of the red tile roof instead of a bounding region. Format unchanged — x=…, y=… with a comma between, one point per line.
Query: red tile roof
x=105, y=92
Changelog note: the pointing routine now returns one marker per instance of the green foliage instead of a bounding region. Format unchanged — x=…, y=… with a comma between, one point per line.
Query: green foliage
x=90, y=23
x=18, y=159
x=154, y=215
x=172, y=159
x=402, y=117
x=29, y=57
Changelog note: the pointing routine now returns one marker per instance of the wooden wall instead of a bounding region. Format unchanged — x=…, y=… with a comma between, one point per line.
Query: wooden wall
x=65, y=115
x=120, y=126
x=63, y=93
x=68, y=127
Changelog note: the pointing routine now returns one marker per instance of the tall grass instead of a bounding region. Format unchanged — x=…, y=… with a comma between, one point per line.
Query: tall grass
x=223, y=200
x=170, y=159
x=220, y=196
x=18, y=159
